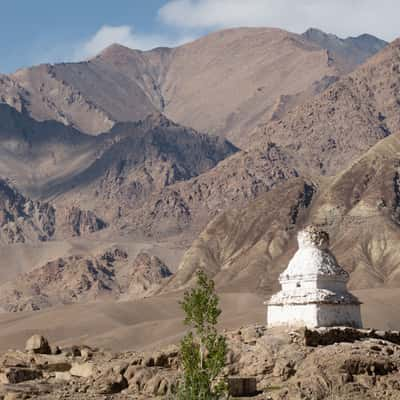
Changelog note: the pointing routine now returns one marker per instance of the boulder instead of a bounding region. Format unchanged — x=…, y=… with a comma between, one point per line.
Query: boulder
x=61, y=366
x=38, y=344
x=63, y=376
x=111, y=382
x=84, y=370
x=16, y=375
x=242, y=387
x=55, y=350
x=15, y=396
x=160, y=385
x=86, y=354
x=139, y=376
x=120, y=367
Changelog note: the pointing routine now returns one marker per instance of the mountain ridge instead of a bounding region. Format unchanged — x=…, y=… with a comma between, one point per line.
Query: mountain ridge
x=195, y=84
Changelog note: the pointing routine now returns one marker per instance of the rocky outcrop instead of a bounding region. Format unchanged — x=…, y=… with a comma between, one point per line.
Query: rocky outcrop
x=146, y=275
x=22, y=219
x=266, y=364
x=74, y=279
x=80, y=222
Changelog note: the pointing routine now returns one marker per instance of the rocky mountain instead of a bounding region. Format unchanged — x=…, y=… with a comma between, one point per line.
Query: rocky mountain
x=155, y=181
x=25, y=220
x=248, y=247
x=225, y=83
x=320, y=137
x=78, y=279
x=344, y=121
x=104, y=173
x=351, y=51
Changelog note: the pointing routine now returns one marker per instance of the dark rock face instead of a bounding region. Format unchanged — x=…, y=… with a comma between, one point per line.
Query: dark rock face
x=81, y=222
x=22, y=219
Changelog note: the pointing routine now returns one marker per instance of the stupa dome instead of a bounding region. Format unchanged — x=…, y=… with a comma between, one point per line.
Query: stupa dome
x=313, y=259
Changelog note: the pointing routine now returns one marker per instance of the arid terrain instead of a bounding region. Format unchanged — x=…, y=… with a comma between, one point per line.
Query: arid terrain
x=122, y=175
x=274, y=364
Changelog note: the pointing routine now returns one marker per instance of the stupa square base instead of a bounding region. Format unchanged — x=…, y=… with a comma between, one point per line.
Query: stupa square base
x=314, y=315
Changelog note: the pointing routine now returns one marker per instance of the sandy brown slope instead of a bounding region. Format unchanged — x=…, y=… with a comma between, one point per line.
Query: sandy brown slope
x=32, y=152
x=249, y=247
x=224, y=83
x=347, y=119
x=154, y=322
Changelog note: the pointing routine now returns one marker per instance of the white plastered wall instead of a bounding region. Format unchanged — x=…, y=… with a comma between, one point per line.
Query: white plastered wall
x=314, y=315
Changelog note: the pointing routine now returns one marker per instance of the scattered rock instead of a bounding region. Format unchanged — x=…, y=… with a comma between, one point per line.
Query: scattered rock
x=276, y=367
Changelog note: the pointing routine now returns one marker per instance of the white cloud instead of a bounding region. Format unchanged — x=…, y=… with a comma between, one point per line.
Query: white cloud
x=342, y=17
x=124, y=35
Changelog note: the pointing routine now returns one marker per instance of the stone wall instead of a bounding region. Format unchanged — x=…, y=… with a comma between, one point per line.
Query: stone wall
x=327, y=336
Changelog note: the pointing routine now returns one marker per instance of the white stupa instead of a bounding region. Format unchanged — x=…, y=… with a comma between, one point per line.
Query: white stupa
x=314, y=292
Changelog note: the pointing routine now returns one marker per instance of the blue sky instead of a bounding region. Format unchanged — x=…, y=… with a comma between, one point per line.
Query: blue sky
x=35, y=31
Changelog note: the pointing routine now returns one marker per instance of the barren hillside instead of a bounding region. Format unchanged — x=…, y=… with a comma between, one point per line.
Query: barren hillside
x=225, y=83
x=248, y=247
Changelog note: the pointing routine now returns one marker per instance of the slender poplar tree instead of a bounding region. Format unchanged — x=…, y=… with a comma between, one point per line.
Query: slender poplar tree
x=203, y=349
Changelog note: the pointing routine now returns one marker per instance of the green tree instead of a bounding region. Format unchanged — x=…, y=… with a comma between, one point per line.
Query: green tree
x=203, y=350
